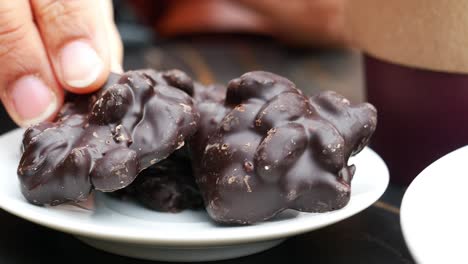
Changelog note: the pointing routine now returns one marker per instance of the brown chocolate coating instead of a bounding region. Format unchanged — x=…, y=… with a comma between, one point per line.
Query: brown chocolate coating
x=273, y=149
x=104, y=140
x=167, y=186
x=209, y=101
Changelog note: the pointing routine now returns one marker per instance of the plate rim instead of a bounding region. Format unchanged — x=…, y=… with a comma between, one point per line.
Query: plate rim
x=104, y=234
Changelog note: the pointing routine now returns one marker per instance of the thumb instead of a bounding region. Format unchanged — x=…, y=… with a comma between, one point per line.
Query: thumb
x=80, y=39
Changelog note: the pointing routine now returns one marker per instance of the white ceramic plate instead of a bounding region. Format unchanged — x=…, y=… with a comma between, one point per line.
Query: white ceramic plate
x=126, y=228
x=434, y=212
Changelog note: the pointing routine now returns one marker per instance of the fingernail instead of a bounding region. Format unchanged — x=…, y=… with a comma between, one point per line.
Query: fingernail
x=80, y=64
x=33, y=101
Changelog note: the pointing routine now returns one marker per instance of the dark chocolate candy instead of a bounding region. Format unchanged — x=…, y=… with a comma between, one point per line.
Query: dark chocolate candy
x=167, y=186
x=210, y=105
x=269, y=148
x=104, y=140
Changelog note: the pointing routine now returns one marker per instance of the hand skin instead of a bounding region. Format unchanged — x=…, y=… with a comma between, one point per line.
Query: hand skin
x=319, y=23
x=316, y=23
x=50, y=45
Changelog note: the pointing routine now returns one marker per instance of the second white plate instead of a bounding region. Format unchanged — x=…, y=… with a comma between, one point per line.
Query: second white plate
x=434, y=215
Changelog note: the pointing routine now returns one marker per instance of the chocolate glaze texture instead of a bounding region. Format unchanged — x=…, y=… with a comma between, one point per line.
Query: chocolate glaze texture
x=169, y=186
x=210, y=105
x=271, y=148
x=104, y=140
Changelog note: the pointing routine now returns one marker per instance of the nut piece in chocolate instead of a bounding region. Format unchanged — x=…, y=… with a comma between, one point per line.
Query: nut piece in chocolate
x=275, y=149
x=102, y=141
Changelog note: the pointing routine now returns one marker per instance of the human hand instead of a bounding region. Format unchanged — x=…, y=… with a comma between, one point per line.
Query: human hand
x=48, y=45
x=305, y=22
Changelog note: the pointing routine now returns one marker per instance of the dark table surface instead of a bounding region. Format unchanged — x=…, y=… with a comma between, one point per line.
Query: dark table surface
x=372, y=236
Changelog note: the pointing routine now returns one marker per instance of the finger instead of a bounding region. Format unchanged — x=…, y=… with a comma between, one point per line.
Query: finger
x=116, y=47
x=76, y=39
x=28, y=88
x=114, y=40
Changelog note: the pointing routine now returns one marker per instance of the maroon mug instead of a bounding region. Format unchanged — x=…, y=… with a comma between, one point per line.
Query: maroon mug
x=423, y=115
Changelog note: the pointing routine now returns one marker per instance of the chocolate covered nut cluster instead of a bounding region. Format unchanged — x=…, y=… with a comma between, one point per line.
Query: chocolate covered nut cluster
x=246, y=151
x=103, y=141
x=275, y=149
